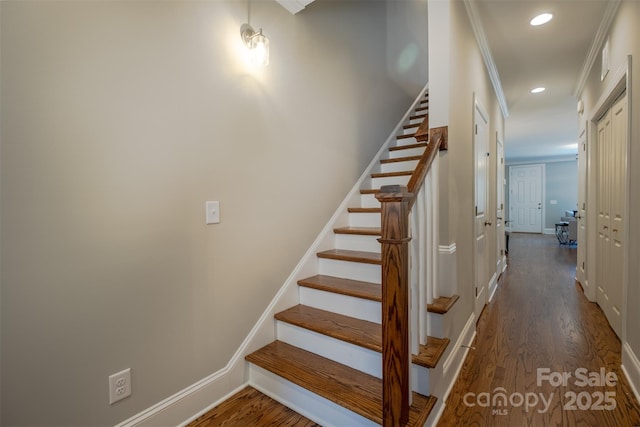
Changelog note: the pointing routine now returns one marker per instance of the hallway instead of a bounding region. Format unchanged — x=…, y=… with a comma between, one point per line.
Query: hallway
x=544, y=355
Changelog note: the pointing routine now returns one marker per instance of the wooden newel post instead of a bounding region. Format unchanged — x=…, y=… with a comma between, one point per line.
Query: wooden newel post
x=395, y=201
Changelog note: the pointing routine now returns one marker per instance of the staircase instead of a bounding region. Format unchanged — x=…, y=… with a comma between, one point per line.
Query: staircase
x=327, y=361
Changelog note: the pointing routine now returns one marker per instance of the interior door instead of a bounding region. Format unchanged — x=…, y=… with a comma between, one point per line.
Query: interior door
x=612, y=182
x=525, y=198
x=581, y=274
x=500, y=236
x=481, y=149
x=603, y=209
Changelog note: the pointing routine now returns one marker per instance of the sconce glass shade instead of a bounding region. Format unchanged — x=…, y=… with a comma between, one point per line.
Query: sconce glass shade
x=258, y=45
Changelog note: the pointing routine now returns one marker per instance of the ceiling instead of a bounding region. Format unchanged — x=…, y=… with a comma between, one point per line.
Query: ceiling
x=553, y=56
x=520, y=57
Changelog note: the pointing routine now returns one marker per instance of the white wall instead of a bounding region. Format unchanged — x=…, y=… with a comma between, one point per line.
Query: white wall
x=624, y=39
x=464, y=73
x=119, y=120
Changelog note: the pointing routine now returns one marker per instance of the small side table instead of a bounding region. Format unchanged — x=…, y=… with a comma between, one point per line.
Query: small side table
x=562, y=232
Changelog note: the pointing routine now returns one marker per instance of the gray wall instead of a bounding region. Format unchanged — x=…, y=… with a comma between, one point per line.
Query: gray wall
x=119, y=120
x=561, y=185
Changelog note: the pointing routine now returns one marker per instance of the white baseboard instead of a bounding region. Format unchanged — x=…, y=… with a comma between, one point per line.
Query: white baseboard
x=453, y=365
x=493, y=286
x=631, y=369
x=549, y=231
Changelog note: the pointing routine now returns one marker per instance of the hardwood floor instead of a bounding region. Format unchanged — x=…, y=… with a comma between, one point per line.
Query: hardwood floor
x=540, y=319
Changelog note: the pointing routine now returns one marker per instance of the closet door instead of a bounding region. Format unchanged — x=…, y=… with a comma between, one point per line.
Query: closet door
x=617, y=210
x=611, y=201
x=603, y=221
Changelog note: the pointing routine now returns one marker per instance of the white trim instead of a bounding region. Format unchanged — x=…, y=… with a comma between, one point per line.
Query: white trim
x=631, y=369
x=465, y=338
x=294, y=6
x=598, y=40
x=180, y=406
x=615, y=87
x=447, y=249
x=493, y=286
x=537, y=160
x=619, y=83
x=447, y=269
x=549, y=231
x=485, y=50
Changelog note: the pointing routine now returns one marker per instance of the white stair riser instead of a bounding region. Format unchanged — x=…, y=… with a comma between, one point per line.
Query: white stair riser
x=357, y=243
x=435, y=324
x=408, y=165
x=350, y=270
x=364, y=219
x=360, y=358
x=420, y=379
x=391, y=180
x=369, y=201
x=418, y=120
x=410, y=131
x=306, y=403
x=401, y=142
x=408, y=152
x=342, y=304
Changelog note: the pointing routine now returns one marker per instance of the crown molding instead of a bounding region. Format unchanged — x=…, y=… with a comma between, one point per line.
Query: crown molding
x=294, y=6
x=478, y=31
x=596, y=44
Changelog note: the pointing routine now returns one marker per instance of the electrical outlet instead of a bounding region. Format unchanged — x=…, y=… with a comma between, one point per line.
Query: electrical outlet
x=119, y=386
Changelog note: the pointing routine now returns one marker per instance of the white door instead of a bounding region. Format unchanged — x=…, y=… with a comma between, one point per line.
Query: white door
x=525, y=198
x=500, y=237
x=581, y=274
x=481, y=148
x=612, y=153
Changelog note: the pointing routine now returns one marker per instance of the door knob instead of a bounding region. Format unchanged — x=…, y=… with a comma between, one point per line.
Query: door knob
x=487, y=223
x=499, y=218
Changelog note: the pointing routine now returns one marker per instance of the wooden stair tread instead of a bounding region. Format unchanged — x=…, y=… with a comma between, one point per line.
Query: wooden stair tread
x=363, y=231
x=431, y=353
x=349, y=329
x=354, y=256
x=442, y=305
x=369, y=191
x=364, y=210
x=421, y=109
x=411, y=126
x=410, y=135
x=391, y=174
x=345, y=386
x=338, y=285
x=249, y=407
x=400, y=159
x=408, y=146
x=418, y=116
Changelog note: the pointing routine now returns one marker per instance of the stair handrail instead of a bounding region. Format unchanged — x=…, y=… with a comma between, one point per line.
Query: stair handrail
x=396, y=203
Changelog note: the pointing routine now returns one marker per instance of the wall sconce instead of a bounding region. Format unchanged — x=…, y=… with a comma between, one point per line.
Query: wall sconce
x=257, y=43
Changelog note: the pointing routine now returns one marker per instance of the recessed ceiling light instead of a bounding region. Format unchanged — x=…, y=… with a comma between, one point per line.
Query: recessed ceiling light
x=543, y=18
x=538, y=90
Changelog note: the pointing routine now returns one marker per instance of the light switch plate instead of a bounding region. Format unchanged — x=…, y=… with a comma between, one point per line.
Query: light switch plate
x=212, y=212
